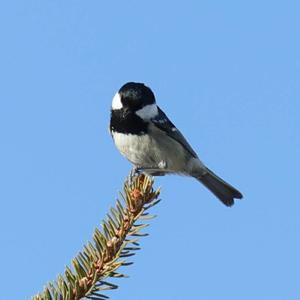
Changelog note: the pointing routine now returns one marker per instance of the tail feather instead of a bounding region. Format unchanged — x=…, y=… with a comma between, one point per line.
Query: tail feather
x=220, y=188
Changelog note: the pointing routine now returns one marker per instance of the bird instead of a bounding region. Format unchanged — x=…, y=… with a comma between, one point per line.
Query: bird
x=146, y=137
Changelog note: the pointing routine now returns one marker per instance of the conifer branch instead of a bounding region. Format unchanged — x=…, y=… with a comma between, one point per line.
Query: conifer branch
x=111, y=246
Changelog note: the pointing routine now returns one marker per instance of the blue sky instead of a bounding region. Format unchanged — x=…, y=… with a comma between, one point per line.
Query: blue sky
x=227, y=73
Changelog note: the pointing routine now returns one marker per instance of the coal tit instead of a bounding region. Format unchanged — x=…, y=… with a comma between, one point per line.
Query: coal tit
x=150, y=141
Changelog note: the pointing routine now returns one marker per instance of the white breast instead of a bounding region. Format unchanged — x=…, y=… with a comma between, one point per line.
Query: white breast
x=155, y=150
x=136, y=148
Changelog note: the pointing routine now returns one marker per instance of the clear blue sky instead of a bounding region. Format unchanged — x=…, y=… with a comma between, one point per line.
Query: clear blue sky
x=227, y=73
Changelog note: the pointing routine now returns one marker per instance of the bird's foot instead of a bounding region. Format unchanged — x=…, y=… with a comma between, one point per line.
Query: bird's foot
x=135, y=172
x=152, y=171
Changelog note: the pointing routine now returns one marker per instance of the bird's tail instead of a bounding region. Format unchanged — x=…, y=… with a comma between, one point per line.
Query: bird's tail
x=220, y=188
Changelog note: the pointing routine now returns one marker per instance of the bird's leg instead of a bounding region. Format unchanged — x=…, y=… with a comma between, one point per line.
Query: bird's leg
x=135, y=171
x=152, y=171
x=159, y=170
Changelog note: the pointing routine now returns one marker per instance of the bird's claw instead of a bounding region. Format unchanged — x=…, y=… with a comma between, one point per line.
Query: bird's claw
x=135, y=172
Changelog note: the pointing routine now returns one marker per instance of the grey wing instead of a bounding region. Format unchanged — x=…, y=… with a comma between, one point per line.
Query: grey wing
x=163, y=123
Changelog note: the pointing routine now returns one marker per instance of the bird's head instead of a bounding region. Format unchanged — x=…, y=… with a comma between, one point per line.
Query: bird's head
x=136, y=98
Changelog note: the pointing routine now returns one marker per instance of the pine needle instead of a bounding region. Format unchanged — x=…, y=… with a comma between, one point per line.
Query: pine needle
x=101, y=259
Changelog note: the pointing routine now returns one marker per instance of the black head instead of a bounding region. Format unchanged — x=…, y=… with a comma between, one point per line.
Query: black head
x=131, y=105
x=133, y=96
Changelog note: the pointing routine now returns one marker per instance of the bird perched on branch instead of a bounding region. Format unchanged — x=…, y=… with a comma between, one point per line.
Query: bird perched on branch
x=150, y=141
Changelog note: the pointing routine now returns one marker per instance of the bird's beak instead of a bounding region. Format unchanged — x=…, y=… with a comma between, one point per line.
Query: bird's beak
x=126, y=112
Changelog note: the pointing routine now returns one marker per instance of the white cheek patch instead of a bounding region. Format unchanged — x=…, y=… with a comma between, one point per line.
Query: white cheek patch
x=116, y=102
x=147, y=112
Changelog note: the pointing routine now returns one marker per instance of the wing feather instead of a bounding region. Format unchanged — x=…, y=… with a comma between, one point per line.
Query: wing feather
x=163, y=123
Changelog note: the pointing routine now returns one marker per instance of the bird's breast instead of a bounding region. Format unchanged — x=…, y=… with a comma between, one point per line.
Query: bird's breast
x=136, y=148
